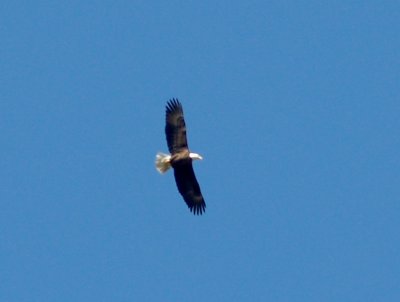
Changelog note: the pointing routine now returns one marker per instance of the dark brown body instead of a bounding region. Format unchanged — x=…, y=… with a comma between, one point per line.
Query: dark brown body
x=181, y=160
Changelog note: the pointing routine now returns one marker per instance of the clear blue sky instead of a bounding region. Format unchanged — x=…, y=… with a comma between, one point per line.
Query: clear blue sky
x=294, y=105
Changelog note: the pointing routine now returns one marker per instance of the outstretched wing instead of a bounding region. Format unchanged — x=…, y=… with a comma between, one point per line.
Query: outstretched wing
x=175, y=128
x=189, y=188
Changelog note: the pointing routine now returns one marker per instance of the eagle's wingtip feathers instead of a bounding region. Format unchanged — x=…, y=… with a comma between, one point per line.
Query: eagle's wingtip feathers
x=173, y=104
x=198, y=209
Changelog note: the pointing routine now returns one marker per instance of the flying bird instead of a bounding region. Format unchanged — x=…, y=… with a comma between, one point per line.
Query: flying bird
x=180, y=158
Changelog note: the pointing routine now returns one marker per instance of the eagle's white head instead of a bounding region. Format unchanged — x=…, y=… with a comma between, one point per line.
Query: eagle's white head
x=195, y=156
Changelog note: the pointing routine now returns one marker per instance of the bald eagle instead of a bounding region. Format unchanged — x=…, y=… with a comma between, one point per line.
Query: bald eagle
x=180, y=158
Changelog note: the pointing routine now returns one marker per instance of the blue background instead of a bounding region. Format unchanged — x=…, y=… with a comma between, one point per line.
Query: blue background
x=293, y=104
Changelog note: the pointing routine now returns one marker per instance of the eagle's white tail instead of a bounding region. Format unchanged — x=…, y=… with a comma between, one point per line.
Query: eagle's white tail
x=163, y=162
